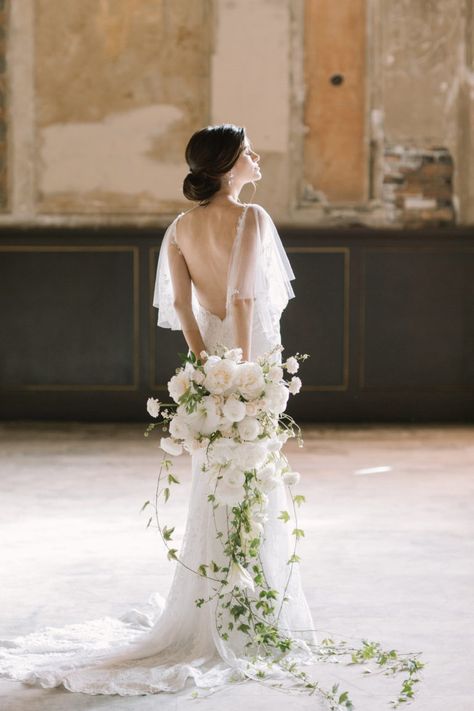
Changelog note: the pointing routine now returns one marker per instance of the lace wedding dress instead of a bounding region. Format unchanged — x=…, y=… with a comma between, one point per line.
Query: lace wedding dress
x=158, y=648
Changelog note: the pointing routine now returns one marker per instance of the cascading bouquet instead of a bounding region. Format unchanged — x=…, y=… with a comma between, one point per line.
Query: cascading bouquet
x=232, y=413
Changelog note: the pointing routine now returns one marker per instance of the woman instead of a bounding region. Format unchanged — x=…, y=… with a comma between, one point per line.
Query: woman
x=223, y=278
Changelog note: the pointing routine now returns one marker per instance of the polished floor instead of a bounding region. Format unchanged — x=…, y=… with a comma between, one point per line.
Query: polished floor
x=387, y=553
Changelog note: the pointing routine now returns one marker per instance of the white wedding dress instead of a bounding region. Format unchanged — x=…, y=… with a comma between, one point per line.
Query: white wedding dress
x=159, y=648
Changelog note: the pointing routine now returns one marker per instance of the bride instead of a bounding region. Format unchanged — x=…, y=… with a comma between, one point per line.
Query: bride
x=223, y=278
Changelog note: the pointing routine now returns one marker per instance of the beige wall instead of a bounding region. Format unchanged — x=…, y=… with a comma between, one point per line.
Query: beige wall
x=102, y=96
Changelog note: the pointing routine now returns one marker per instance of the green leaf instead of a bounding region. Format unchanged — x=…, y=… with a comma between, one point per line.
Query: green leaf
x=298, y=532
x=149, y=521
x=172, y=479
x=284, y=516
x=299, y=499
x=167, y=533
x=172, y=554
x=294, y=558
x=166, y=493
x=202, y=570
x=144, y=506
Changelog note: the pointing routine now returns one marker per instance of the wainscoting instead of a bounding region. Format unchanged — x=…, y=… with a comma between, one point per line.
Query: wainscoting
x=387, y=316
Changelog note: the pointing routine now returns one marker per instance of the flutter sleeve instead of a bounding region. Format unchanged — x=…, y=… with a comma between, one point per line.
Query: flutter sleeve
x=260, y=268
x=163, y=297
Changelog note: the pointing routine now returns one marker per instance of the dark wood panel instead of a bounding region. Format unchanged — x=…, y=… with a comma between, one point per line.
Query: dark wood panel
x=68, y=317
x=417, y=320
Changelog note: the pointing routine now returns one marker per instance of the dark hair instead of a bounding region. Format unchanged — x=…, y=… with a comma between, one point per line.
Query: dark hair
x=211, y=152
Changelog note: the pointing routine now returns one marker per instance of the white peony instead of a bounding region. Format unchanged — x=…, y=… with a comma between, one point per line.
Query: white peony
x=251, y=455
x=275, y=374
x=276, y=396
x=169, y=445
x=222, y=451
x=220, y=376
x=268, y=477
x=238, y=577
x=210, y=362
x=295, y=385
x=198, y=377
x=292, y=365
x=153, y=406
x=234, y=409
x=230, y=488
x=249, y=428
x=178, y=427
x=291, y=478
x=206, y=418
x=249, y=380
x=234, y=354
x=178, y=385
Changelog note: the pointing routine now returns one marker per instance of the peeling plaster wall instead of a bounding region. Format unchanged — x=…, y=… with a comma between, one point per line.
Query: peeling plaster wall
x=103, y=95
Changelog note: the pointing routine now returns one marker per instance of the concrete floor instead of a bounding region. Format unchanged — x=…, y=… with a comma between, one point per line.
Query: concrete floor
x=387, y=553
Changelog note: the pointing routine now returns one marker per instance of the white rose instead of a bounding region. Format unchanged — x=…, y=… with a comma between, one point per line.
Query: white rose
x=250, y=380
x=292, y=365
x=295, y=385
x=169, y=445
x=230, y=488
x=238, y=577
x=222, y=450
x=277, y=396
x=275, y=374
x=178, y=385
x=249, y=428
x=153, y=406
x=234, y=354
x=291, y=478
x=220, y=376
x=234, y=409
x=252, y=408
x=178, y=427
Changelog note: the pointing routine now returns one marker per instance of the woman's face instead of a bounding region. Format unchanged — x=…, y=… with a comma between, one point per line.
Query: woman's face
x=246, y=168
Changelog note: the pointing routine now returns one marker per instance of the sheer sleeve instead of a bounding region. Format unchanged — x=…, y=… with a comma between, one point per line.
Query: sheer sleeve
x=260, y=268
x=163, y=297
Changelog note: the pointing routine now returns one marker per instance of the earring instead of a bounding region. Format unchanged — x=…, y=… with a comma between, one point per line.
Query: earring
x=229, y=179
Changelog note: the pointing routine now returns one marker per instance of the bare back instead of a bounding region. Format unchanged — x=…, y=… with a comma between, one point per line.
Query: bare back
x=205, y=235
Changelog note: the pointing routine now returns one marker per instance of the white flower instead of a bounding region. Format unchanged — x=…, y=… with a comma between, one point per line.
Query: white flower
x=259, y=516
x=274, y=445
x=234, y=409
x=169, y=445
x=178, y=427
x=220, y=376
x=268, y=477
x=206, y=418
x=238, y=577
x=291, y=478
x=249, y=380
x=230, y=488
x=292, y=365
x=295, y=385
x=198, y=377
x=251, y=455
x=252, y=408
x=153, y=406
x=276, y=395
x=178, y=385
x=210, y=362
x=193, y=445
x=249, y=428
x=234, y=354
x=275, y=374
x=222, y=450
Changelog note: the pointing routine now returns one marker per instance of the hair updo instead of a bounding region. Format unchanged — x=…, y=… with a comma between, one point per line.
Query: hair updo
x=211, y=152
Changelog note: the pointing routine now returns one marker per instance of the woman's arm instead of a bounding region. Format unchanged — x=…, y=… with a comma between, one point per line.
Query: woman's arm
x=182, y=290
x=243, y=317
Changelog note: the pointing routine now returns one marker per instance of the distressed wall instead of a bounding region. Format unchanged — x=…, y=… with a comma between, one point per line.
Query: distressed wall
x=102, y=96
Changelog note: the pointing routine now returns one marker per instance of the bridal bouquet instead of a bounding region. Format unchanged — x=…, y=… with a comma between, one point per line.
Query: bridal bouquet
x=231, y=414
